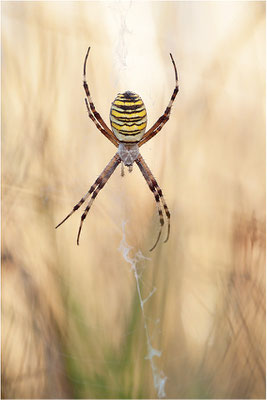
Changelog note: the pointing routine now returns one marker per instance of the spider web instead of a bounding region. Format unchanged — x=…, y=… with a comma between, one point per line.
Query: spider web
x=158, y=376
x=121, y=9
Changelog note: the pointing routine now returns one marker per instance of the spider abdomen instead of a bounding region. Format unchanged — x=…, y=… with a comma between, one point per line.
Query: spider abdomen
x=128, y=117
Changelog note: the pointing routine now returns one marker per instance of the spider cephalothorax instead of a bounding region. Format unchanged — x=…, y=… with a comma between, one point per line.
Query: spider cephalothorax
x=128, y=121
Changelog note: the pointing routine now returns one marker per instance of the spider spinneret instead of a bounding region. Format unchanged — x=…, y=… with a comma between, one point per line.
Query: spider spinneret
x=128, y=119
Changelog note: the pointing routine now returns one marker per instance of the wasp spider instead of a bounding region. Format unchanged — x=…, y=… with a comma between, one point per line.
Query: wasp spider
x=128, y=122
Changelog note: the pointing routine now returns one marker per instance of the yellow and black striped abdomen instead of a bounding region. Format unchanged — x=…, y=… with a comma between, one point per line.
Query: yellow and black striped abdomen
x=128, y=117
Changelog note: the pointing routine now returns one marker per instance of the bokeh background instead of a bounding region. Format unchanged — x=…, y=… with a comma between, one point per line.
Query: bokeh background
x=72, y=326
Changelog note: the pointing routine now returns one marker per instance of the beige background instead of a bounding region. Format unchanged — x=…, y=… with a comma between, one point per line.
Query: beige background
x=71, y=323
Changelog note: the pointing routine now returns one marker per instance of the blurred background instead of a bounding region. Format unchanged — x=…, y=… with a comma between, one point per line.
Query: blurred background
x=72, y=326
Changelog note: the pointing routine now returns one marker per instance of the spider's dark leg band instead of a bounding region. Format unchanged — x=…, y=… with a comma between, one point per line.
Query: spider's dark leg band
x=109, y=167
x=147, y=175
x=102, y=180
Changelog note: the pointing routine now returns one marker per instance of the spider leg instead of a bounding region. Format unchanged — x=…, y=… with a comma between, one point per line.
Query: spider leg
x=154, y=187
x=110, y=168
x=167, y=212
x=103, y=178
x=93, y=114
x=158, y=125
x=111, y=138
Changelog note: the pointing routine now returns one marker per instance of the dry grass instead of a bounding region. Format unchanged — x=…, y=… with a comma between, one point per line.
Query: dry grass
x=71, y=324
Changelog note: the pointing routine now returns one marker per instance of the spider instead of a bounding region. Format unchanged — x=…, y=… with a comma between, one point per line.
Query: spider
x=128, y=121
